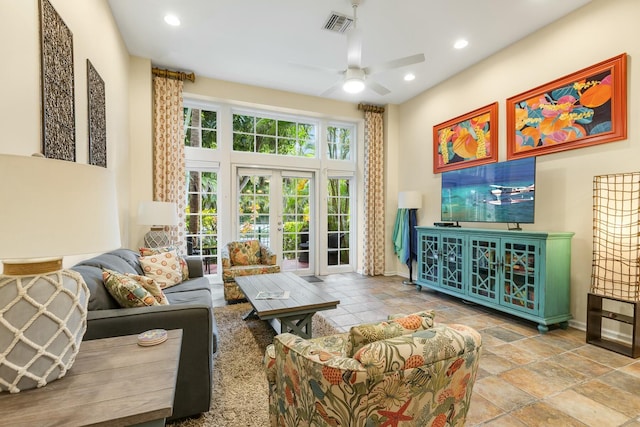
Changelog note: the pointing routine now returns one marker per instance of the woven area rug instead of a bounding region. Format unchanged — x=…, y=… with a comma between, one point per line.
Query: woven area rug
x=240, y=396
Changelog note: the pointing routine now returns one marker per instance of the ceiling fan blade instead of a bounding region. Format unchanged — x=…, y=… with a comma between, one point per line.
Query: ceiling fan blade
x=354, y=48
x=378, y=88
x=332, y=88
x=317, y=68
x=396, y=63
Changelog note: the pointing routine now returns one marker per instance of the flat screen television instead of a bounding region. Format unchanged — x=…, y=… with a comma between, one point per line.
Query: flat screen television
x=496, y=192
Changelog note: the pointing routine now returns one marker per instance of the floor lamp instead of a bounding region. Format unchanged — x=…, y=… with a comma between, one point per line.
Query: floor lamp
x=50, y=208
x=412, y=201
x=615, y=277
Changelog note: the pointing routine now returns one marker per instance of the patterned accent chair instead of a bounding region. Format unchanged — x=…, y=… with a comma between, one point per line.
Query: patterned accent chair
x=244, y=258
x=402, y=372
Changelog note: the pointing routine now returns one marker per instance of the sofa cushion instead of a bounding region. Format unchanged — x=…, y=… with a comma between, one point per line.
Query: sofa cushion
x=99, y=297
x=132, y=290
x=181, y=260
x=163, y=267
x=110, y=261
x=361, y=335
x=198, y=296
x=121, y=260
x=130, y=257
x=198, y=283
x=247, y=252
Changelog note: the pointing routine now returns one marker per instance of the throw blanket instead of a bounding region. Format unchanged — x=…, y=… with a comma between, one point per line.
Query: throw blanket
x=401, y=235
x=403, y=246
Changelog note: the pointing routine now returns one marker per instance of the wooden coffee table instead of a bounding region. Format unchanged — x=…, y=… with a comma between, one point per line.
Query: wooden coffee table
x=286, y=315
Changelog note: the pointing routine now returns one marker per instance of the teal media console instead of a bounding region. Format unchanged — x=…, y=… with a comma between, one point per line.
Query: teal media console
x=523, y=273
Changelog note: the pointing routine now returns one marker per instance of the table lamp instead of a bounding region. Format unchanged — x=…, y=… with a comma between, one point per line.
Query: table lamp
x=50, y=208
x=411, y=200
x=157, y=215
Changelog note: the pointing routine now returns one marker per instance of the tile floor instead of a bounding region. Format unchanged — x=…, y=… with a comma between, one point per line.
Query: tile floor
x=525, y=378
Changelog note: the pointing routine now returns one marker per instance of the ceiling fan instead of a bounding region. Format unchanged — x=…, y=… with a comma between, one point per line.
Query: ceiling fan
x=354, y=77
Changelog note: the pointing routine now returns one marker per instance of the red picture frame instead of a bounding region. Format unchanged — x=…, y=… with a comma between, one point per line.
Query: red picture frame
x=584, y=108
x=467, y=140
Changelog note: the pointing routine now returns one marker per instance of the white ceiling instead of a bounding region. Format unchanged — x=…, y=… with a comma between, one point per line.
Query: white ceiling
x=268, y=43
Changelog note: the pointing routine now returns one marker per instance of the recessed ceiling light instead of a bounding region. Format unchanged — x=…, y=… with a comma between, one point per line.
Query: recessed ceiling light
x=409, y=77
x=172, y=20
x=460, y=44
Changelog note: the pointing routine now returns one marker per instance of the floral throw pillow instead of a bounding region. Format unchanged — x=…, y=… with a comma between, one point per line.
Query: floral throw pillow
x=361, y=335
x=131, y=290
x=164, y=268
x=181, y=260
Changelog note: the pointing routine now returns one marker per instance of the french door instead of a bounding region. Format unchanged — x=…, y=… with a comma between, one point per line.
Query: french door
x=277, y=208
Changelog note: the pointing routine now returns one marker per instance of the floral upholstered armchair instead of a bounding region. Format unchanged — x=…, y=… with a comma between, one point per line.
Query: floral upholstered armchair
x=402, y=372
x=244, y=258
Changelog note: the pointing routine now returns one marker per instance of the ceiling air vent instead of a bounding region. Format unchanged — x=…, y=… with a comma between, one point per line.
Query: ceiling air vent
x=338, y=22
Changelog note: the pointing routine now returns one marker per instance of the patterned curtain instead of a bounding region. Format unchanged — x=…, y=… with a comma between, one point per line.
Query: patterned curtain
x=374, y=242
x=168, y=151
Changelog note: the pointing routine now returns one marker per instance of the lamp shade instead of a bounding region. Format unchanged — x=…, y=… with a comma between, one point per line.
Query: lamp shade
x=53, y=208
x=409, y=200
x=157, y=213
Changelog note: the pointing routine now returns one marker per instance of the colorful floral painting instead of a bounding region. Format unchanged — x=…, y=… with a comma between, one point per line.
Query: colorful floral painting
x=582, y=109
x=468, y=140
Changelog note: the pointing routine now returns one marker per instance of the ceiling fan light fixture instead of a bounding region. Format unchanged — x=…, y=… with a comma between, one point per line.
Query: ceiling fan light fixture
x=353, y=85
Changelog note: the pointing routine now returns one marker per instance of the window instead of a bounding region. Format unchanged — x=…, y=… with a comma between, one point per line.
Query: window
x=339, y=142
x=273, y=195
x=202, y=217
x=200, y=128
x=338, y=221
x=259, y=134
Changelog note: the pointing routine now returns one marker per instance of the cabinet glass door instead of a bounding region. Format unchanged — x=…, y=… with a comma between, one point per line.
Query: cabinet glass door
x=484, y=260
x=451, y=248
x=521, y=276
x=428, y=250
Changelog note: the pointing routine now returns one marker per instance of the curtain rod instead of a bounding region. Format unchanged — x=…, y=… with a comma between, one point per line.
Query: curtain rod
x=372, y=108
x=178, y=75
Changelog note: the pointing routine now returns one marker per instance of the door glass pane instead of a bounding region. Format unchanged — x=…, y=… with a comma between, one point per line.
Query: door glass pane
x=338, y=220
x=253, y=208
x=201, y=215
x=295, y=216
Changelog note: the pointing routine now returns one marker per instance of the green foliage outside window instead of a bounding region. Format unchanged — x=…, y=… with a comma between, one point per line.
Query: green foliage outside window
x=200, y=128
x=272, y=136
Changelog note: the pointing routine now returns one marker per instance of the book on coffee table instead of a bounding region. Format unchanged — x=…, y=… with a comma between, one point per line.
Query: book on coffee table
x=273, y=295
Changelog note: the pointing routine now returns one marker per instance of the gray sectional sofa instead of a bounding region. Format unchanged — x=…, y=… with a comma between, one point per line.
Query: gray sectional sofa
x=190, y=309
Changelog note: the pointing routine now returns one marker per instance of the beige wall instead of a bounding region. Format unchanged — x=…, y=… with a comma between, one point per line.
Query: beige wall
x=141, y=136
x=598, y=31
x=96, y=37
